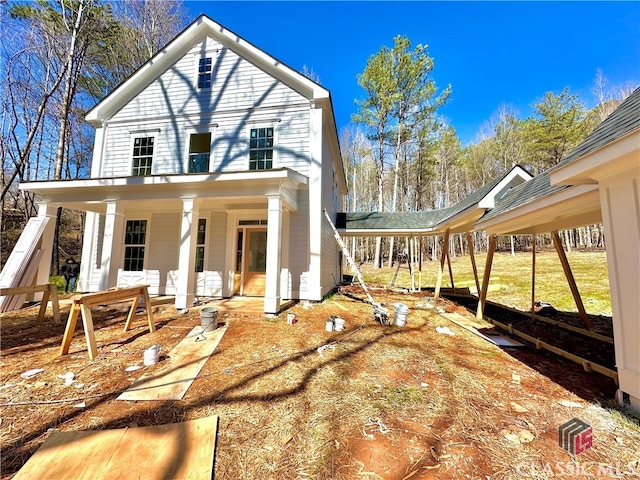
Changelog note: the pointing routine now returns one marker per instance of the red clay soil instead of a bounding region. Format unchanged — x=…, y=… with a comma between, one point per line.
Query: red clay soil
x=296, y=401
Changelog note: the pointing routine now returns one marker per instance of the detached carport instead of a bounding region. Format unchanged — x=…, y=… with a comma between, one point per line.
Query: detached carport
x=459, y=218
x=598, y=182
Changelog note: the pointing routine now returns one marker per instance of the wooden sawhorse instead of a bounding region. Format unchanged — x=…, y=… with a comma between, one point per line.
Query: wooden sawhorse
x=83, y=303
x=49, y=293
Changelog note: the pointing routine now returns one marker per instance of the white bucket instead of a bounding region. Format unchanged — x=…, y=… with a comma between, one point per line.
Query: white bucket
x=208, y=317
x=339, y=324
x=329, y=326
x=400, y=314
x=151, y=355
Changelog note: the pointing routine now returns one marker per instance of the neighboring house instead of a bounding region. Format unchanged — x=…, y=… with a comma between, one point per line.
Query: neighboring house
x=211, y=168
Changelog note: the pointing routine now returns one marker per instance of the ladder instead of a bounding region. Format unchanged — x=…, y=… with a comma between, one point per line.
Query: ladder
x=347, y=255
x=381, y=313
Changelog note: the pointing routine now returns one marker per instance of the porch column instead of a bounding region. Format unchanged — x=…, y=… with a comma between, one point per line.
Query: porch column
x=112, y=244
x=186, y=254
x=46, y=210
x=274, y=255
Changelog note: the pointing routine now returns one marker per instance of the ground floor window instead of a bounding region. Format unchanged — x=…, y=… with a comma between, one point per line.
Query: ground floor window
x=200, y=244
x=134, y=243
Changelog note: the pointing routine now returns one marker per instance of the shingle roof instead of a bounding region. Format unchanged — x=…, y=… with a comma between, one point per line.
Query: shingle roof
x=423, y=220
x=625, y=119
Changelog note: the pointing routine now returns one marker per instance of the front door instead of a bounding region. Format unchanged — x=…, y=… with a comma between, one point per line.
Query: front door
x=252, y=260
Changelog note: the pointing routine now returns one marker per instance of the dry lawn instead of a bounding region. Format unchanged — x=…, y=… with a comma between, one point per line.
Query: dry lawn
x=296, y=401
x=510, y=280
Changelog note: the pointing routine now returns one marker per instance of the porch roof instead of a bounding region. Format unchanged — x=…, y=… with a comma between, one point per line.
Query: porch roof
x=221, y=190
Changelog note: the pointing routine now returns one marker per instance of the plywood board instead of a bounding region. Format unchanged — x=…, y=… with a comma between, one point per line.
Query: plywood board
x=175, y=451
x=171, y=378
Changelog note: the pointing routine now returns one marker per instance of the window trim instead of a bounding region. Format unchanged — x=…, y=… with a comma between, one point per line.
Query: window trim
x=145, y=245
x=142, y=134
x=202, y=245
x=195, y=130
x=202, y=54
x=256, y=125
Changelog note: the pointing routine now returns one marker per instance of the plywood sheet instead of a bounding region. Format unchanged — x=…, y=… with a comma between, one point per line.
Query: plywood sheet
x=175, y=451
x=172, y=377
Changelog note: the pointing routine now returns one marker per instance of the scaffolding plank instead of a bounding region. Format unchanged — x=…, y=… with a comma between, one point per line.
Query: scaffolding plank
x=185, y=361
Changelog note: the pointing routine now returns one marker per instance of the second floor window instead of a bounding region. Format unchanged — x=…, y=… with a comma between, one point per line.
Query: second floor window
x=142, y=156
x=199, y=152
x=261, y=149
x=204, y=72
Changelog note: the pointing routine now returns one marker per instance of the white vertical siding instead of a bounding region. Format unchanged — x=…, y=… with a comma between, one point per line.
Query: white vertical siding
x=241, y=95
x=162, y=252
x=216, y=247
x=330, y=247
x=299, y=246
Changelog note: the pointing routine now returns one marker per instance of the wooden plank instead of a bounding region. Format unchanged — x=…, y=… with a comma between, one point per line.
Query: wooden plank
x=55, y=305
x=566, y=326
x=49, y=294
x=587, y=365
x=473, y=261
x=109, y=296
x=533, y=276
x=445, y=251
x=485, y=277
x=132, y=312
x=572, y=282
x=171, y=379
x=176, y=451
x=69, y=329
x=89, y=334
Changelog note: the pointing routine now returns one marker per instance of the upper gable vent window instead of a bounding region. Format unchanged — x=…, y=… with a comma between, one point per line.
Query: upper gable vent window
x=204, y=72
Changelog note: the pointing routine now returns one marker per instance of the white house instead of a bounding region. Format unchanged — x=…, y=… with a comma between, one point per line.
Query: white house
x=211, y=168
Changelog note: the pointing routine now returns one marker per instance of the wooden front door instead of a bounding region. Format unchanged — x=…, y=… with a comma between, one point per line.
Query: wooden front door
x=252, y=261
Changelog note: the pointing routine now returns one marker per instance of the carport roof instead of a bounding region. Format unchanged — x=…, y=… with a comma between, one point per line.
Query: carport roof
x=625, y=119
x=462, y=215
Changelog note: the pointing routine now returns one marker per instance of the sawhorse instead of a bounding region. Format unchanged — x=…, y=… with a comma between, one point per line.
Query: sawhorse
x=82, y=305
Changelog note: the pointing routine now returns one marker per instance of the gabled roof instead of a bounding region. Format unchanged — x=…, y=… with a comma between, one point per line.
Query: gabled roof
x=458, y=218
x=200, y=28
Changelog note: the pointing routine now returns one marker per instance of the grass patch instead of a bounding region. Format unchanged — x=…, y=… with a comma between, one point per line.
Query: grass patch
x=510, y=281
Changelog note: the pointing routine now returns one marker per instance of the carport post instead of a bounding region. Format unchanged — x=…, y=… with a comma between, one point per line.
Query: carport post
x=533, y=276
x=473, y=261
x=485, y=278
x=445, y=251
x=453, y=287
x=571, y=280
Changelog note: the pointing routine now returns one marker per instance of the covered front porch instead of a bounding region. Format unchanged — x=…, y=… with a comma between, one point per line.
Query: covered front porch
x=190, y=236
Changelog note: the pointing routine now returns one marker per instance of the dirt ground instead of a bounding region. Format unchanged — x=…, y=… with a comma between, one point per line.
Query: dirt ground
x=296, y=401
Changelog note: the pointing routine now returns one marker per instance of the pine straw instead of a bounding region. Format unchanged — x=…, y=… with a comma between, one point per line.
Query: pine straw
x=295, y=401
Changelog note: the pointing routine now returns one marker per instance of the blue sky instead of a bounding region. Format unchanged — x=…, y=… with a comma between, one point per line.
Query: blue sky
x=491, y=53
